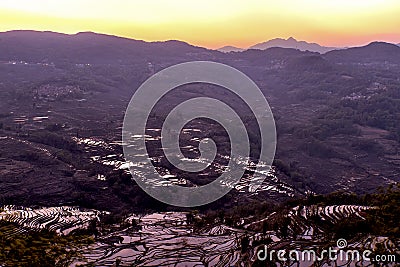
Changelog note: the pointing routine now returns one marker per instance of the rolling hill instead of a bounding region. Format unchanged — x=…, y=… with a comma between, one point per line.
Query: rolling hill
x=373, y=53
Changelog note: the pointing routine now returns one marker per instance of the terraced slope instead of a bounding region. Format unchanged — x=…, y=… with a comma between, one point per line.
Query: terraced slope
x=62, y=220
x=166, y=239
x=170, y=238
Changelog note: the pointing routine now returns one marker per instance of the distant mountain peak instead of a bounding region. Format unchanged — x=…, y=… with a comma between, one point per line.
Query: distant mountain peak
x=291, y=42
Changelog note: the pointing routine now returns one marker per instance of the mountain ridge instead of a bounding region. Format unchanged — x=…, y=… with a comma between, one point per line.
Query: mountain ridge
x=14, y=33
x=292, y=43
x=276, y=42
x=371, y=53
x=88, y=47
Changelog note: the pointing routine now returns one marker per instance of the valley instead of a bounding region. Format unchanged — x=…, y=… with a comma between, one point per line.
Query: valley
x=63, y=175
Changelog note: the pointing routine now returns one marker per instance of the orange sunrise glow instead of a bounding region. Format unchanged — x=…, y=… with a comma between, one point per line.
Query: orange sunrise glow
x=213, y=23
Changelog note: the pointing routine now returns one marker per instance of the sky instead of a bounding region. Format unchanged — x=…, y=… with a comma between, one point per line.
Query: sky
x=212, y=23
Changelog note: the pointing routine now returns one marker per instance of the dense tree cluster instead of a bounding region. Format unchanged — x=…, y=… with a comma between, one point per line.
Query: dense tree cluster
x=42, y=248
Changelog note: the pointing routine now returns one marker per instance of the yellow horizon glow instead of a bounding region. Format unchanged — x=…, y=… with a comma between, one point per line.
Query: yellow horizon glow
x=212, y=23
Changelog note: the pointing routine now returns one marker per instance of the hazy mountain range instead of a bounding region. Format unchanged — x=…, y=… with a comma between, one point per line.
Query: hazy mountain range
x=14, y=44
x=284, y=43
x=89, y=47
x=293, y=43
